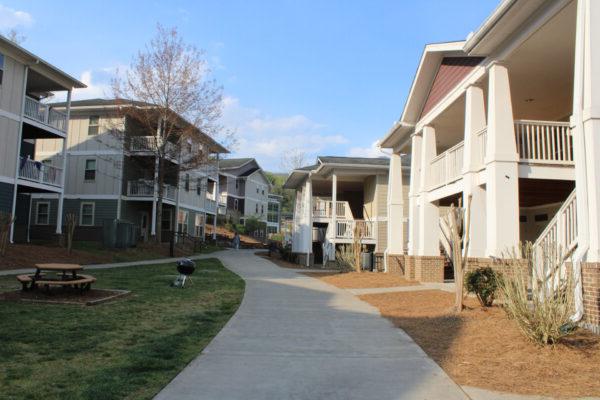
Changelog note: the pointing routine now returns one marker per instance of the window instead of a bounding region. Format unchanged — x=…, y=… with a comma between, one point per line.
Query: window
x=263, y=192
x=187, y=182
x=257, y=208
x=235, y=204
x=182, y=218
x=90, y=170
x=86, y=214
x=262, y=209
x=237, y=185
x=199, y=186
x=1, y=67
x=42, y=213
x=93, y=125
x=256, y=190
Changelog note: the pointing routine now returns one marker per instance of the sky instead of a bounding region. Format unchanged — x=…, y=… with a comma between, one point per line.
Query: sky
x=319, y=77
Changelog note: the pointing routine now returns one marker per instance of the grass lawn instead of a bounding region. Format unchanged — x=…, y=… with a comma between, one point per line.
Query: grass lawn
x=128, y=349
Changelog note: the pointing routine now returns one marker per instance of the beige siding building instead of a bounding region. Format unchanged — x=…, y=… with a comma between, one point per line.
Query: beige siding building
x=26, y=84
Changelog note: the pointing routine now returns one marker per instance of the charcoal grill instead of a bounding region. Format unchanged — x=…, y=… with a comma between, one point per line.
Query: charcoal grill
x=185, y=267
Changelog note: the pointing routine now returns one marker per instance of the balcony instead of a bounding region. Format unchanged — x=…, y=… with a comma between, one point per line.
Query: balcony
x=39, y=172
x=45, y=114
x=345, y=229
x=145, y=188
x=322, y=209
x=145, y=144
x=538, y=142
x=210, y=206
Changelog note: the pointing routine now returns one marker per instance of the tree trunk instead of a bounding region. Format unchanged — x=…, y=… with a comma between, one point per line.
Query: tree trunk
x=159, y=201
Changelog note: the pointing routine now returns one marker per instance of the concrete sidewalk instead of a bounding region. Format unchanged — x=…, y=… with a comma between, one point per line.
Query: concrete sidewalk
x=117, y=265
x=295, y=337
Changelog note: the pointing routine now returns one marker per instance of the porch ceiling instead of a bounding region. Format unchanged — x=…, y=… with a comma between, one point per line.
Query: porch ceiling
x=536, y=192
x=541, y=70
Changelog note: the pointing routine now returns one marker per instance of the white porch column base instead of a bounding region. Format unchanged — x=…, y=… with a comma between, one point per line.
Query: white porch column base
x=413, y=196
x=502, y=190
x=395, y=225
x=475, y=121
x=429, y=216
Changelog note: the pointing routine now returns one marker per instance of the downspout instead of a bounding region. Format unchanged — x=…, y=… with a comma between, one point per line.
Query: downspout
x=388, y=226
x=581, y=172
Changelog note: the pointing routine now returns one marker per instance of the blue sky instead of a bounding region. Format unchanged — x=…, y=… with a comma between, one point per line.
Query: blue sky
x=324, y=77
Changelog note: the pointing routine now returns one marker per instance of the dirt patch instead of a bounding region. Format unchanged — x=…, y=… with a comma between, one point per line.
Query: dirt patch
x=362, y=280
x=483, y=348
x=228, y=235
x=58, y=296
x=27, y=255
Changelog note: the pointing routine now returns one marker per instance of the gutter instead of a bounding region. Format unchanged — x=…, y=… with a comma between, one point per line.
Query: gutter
x=475, y=38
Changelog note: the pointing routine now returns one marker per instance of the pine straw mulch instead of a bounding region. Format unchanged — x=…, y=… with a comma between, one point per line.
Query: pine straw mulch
x=483, y=348
x=277, y=260
x=362, y=280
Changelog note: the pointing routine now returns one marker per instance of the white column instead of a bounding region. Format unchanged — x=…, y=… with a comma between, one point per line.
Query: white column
x=61, y=195
x=216, y=194
x=308, y=203
x=154, y=198
x=413, y=194
x=334, y=204
x=395, y=218
x=429, y=217
x=586, y=126
x=475, y=122
x=18, y=157
x=502, y=189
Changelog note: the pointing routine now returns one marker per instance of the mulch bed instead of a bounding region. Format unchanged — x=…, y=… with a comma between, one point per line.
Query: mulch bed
x=362, y=280
x=61, y=296
x=483, y=348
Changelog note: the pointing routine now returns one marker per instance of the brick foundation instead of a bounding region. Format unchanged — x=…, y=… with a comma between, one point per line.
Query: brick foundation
x=409, y=268
x=429, y=268
x=591, y=296
x=395, y=264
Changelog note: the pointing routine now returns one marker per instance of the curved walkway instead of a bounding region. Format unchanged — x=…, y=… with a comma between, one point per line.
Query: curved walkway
x=295, y=337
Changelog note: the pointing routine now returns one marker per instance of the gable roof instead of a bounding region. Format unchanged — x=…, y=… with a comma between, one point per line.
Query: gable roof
x=233, y=163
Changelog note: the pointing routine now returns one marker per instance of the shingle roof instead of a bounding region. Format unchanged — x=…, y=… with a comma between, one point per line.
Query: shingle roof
x=250, y=171
x=231, y=163
x=99, y=103
x=354, y=160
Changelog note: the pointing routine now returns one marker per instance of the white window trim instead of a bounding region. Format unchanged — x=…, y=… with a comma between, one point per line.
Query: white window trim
x=95, y=125
x=37, y=212
x=93, y=204
x=85, y=169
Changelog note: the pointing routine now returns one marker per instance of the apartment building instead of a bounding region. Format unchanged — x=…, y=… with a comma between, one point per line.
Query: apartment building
x=509, y=119
x=112, y=176
x=243, y=189
x=333, y=197
x=27, y=82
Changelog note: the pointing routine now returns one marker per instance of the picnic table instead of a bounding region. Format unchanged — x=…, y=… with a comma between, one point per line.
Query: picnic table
x=68, y=276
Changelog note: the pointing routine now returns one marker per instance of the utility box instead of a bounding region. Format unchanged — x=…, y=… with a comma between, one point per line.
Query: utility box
x=119, y=234
x=366, y=261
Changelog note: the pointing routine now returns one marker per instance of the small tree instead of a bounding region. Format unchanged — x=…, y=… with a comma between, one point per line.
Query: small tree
x=484, y=283
x=455, y=231
x=168, y=92
x=6, y=220
x=71, y=222
x=293, y=159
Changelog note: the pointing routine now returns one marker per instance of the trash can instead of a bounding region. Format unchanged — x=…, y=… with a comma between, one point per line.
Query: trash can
x=366, y=261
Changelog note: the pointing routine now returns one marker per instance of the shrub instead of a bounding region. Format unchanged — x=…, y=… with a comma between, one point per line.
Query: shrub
x=543, y=316
x=344, y=258
x=484, y=283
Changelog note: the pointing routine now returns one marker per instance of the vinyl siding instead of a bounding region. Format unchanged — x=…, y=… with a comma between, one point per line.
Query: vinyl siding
x=107, y=182
x=11, y=89
x=6, y=196
x=9, y=135
x=103, y=209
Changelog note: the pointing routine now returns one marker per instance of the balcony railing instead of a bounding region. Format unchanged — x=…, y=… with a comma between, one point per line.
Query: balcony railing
x=447, y=167
x=37, y=171
x=544, y=142
x=144, y=188
x=45, y=114
x=345, y=229
x=210, y=205
x=145, y=144
x=324, y=209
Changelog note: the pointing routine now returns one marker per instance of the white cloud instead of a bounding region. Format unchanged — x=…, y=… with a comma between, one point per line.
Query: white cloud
x=373, y=151
x=94, y=89
x=268, y=138
x=10, y=19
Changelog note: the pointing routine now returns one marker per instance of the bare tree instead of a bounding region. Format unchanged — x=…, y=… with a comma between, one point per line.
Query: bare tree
x=6, y=220
x=15, y=36
x=168, y=93
x=455, y=227
x=293, y=159
x=71, y=222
